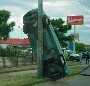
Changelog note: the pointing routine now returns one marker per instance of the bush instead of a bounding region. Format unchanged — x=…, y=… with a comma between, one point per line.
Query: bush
x=66, y=56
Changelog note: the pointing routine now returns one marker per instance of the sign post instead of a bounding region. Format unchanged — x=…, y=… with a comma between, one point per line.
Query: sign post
x=74, y=20
x=74, y=42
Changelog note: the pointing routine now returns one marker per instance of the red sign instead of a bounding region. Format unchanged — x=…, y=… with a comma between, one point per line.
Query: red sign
x=75, y=20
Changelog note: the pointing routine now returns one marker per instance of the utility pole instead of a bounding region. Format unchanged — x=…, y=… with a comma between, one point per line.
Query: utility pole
x=40, y=39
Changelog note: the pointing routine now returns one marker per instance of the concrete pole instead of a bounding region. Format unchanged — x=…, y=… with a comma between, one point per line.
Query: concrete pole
x=40, y=39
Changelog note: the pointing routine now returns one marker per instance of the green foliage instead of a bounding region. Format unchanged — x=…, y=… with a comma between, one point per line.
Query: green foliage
x=66, y=56
x=13, y=54
x=4, y=16
x=5, y=27
x=80, y=47
x=61, y=31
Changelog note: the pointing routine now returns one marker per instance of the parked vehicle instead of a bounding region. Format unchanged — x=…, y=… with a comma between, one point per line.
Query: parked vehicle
x=72, y=56
x=27, y=50
x=83, y=55
x=75, y=57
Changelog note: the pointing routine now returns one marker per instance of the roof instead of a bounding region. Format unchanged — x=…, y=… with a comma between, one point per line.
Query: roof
x=24, y=41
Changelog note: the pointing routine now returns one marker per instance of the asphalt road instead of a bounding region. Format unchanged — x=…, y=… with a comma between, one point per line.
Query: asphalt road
x=77, y=80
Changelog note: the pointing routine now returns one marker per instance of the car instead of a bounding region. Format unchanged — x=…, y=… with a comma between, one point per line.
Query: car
x=75, y=57
x=27, y=50
x=83, y=55
x=72, y=56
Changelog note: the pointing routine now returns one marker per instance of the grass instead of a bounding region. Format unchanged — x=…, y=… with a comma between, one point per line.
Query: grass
x=73, y=63
x=31, y=78
x=15, y=69
x=20, y=80
x=73, y=70
x=75, y=67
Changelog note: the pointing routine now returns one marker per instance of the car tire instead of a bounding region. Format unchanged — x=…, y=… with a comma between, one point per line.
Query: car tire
x=71, y=58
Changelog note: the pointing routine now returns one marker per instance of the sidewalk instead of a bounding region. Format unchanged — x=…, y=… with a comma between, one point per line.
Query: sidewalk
x=18, y=73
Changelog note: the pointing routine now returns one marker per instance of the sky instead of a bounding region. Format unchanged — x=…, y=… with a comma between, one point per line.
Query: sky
x=54, y=9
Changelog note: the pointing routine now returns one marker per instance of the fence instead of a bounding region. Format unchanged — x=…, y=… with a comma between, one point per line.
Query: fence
x=10, y=57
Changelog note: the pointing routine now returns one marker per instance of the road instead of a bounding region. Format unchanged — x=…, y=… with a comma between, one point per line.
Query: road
x=77, y=80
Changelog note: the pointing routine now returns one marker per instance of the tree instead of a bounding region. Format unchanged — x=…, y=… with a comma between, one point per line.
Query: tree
x=80, y=47
x=5, y=27
x=61, y=31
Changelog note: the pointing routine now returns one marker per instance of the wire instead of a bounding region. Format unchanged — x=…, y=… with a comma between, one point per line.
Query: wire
x=84, y=4
x=79, y=7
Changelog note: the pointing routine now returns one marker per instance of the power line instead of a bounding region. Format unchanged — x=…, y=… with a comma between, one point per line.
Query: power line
x=84, y=4
x=78, y=7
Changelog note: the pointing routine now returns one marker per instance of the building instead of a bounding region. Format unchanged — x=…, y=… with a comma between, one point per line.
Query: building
x=15, y=42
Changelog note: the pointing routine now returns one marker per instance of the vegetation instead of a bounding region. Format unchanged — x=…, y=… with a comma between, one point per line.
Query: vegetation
x=20, y=80
x=61, y=31
x=5, y=27
x=80, y=47
x=15, y=57
x=66, y=56
x=76, y=69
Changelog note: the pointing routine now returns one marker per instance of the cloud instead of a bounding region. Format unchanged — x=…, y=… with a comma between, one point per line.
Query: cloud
x=18, y=33
x=53, y=8
x=22, y=4
x=84, y=33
